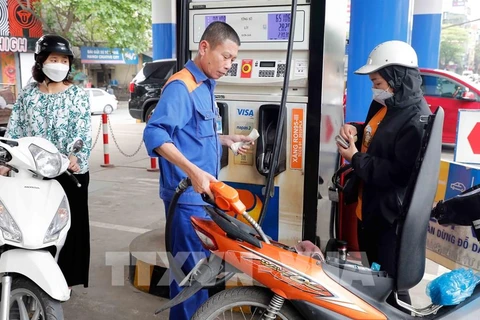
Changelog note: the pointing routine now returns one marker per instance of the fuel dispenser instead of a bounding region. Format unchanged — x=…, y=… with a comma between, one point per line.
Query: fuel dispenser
x=250, y=93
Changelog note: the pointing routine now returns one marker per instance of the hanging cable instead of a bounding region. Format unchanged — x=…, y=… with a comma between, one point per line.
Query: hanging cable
x=277, y=144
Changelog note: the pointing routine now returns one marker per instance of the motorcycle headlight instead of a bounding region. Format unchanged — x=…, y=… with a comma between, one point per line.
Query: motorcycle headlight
x=8, y=226
x=58, y=223
x=48, y=164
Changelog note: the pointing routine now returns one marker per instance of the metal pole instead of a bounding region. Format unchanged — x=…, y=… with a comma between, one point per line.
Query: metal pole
x=106, y=148
x=182, y=26
x=153, y=165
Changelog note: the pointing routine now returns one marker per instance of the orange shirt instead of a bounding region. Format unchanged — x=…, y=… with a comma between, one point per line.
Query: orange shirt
x=368, y=134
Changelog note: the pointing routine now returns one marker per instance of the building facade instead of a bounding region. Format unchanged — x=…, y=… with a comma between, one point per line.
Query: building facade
x=19, y=30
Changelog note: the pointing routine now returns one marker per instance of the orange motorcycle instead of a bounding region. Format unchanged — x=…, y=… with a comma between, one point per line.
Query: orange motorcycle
x=292, y=285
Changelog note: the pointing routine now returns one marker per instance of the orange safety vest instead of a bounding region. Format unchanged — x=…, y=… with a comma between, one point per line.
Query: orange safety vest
x=368, y=134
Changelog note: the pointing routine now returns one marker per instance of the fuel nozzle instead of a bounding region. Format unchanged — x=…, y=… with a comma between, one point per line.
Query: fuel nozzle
x=226, y=198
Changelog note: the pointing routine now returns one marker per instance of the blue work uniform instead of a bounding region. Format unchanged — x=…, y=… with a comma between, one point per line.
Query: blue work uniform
x=185, y=116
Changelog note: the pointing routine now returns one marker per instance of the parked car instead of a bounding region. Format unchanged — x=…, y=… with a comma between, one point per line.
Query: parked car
x=146, y=87
x=101, y=101
x=452, y=92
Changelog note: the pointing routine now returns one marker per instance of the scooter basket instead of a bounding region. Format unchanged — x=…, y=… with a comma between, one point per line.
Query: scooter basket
x=463, y=210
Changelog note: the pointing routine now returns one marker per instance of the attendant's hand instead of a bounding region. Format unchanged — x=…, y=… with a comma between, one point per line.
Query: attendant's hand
x=307, y=248
x=201, y=182
x=228, y=140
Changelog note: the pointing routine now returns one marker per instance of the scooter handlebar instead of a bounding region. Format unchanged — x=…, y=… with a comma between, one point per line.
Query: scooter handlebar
x=74, y=179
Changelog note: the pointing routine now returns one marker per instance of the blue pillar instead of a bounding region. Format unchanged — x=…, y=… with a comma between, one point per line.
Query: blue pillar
x=163, y=29
x=371, y=23
x=427, y=24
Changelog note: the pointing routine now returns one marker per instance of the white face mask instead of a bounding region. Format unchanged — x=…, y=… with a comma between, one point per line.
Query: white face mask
x=381, y=95
x=56, y=71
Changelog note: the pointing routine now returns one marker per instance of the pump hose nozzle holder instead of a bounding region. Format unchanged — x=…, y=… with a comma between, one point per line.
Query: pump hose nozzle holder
x=183, y=185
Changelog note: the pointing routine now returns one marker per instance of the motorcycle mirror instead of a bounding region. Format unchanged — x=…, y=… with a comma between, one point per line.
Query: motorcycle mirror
x=77, y=146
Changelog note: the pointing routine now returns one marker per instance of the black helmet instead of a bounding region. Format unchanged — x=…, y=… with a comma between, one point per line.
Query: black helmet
x=53, y=43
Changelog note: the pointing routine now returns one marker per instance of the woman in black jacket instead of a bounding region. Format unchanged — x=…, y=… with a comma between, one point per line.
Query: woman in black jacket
x=384, y=148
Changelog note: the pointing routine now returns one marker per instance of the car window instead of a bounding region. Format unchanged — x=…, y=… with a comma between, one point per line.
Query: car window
x=97, y=93
x=442, y=87
x=155, y=71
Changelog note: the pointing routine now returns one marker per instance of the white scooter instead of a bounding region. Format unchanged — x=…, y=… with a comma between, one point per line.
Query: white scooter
x=34, y=221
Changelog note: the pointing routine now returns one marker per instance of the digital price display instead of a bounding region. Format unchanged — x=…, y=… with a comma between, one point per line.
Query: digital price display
x=278, y=26
x=267, y=64
x=210, y=19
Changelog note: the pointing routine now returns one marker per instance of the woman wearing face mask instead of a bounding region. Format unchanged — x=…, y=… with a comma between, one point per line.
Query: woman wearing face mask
x=53, y=108
x=384, y=148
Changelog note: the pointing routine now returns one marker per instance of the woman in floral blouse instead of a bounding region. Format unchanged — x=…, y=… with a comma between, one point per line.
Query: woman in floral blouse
x=59, y=111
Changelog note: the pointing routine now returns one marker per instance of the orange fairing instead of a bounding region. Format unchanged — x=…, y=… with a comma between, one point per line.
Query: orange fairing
x=293, y=276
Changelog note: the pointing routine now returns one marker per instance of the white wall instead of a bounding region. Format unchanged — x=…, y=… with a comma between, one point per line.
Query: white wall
x=26, y=65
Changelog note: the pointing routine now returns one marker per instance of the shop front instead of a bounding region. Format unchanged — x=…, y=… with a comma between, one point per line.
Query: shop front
x=19, y=30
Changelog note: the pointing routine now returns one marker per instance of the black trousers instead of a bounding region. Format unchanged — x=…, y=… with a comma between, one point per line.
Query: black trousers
x=379, y=240
x=74, y=258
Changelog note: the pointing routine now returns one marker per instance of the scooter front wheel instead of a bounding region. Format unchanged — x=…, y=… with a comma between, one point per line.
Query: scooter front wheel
x=242, y=303
x=28, y=301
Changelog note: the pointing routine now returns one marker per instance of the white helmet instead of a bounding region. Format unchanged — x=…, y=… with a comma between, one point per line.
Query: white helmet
x=389, y=53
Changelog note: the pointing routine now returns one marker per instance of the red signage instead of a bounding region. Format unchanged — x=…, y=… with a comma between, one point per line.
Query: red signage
x=18, y=27
x=474, y=138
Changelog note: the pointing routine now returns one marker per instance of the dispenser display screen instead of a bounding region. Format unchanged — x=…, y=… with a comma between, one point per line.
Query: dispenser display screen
x=278, y=26
x=210, y=19
x=267, y=64
x=270, y=28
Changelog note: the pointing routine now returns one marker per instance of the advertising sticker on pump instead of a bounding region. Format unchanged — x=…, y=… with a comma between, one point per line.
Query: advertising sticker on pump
x=244, y=128
x=296, y=154
x=251, y=195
